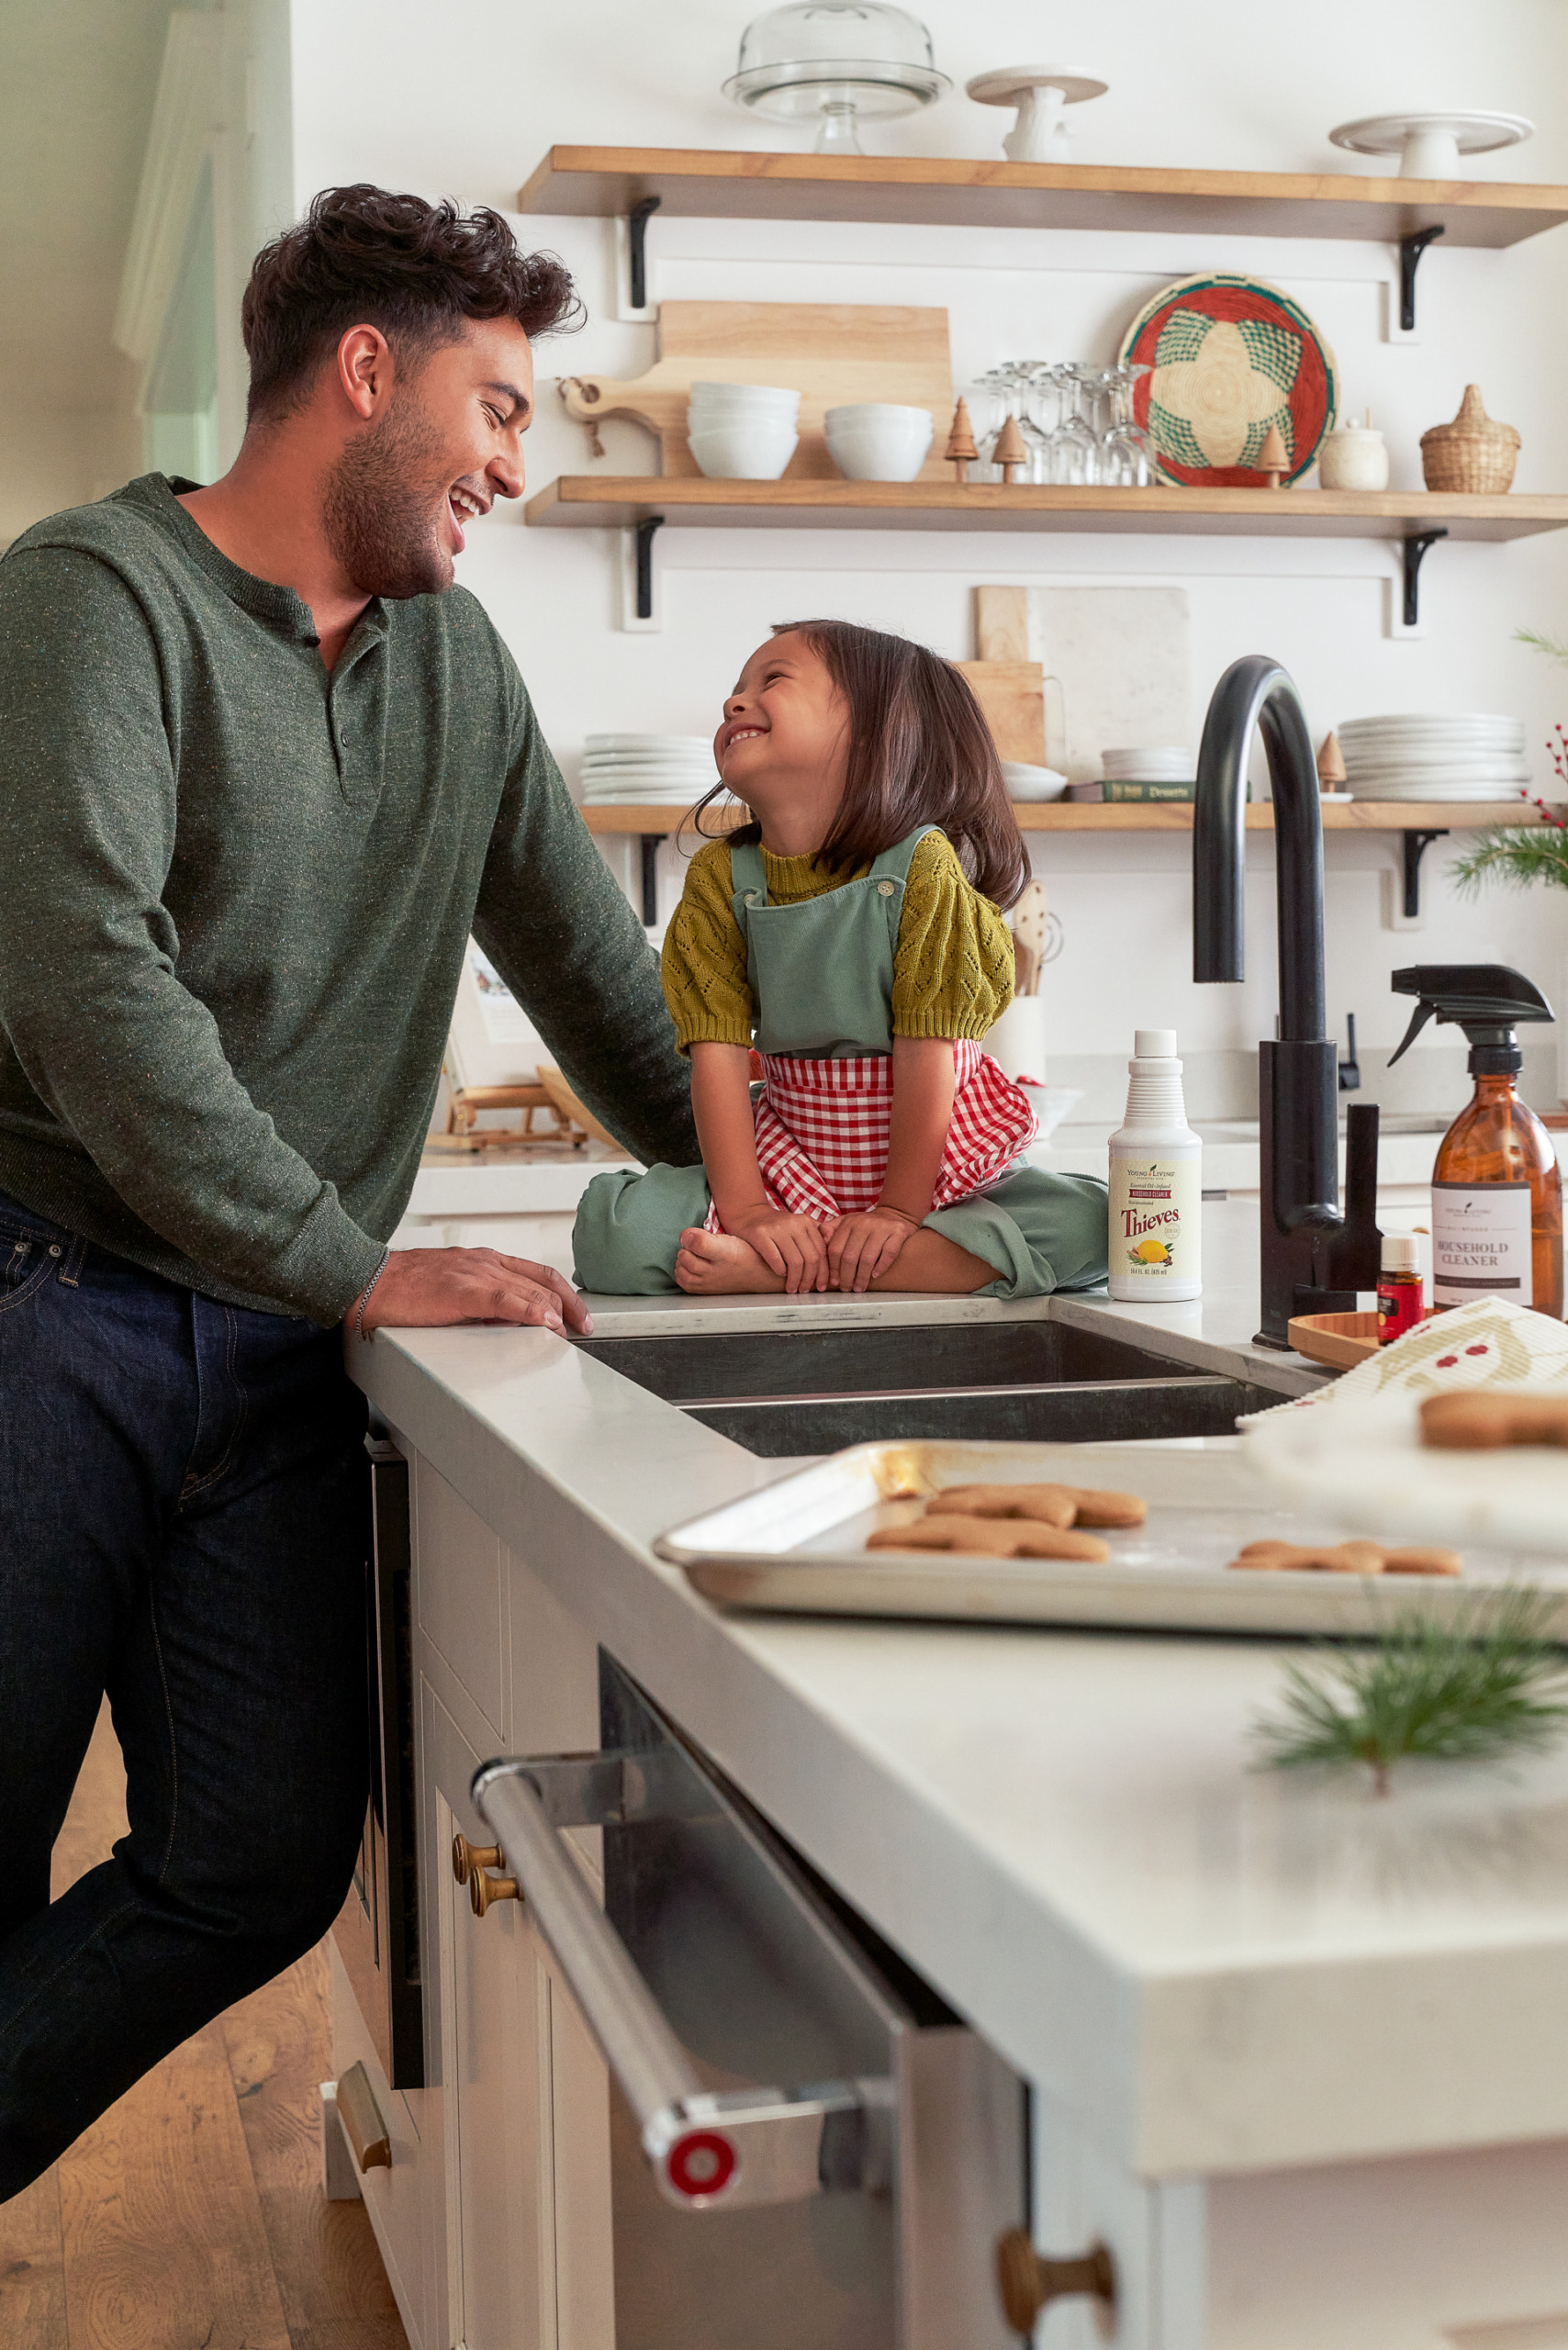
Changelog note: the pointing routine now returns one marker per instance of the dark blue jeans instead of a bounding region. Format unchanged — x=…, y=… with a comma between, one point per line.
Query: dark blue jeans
x=184, y=1522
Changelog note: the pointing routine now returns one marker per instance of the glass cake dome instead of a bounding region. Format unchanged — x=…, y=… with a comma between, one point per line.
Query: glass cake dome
x=831, y=61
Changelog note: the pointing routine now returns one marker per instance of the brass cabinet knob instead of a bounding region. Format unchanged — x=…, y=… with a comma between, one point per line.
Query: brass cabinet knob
x=1029, y=2281
x=483, y=1889
x=467, y=1857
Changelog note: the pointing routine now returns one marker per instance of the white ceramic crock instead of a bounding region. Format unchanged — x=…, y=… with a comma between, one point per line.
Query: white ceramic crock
x=1355, y=457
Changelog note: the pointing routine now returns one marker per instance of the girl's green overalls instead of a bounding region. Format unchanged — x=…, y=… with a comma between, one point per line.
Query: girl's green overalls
x=822, y=977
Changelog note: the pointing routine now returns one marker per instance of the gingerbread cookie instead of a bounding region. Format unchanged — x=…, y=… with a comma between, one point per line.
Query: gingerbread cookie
x=1479, y=1422
x=1354, y=1558
x=1051, y=1505
x=992, y=1538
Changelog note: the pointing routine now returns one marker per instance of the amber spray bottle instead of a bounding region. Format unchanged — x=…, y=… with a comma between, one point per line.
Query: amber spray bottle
x=1497, y=1188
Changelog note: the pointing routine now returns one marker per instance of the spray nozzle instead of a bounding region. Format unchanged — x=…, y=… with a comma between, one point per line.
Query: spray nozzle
x=1488, y=1000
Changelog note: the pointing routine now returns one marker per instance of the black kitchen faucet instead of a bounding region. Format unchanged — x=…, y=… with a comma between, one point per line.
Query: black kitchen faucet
x=1315, y=1259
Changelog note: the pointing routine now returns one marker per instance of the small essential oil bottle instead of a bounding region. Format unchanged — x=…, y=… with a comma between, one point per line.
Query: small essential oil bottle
x=1399, y=1304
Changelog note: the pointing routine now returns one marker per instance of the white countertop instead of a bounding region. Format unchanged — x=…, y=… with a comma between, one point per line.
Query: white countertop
x=1215, y=1970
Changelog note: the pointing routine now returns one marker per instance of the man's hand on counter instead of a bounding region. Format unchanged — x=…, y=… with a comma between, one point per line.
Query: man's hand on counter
x=426, y=1288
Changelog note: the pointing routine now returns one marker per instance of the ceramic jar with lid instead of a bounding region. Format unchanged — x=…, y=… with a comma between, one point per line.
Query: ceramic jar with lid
x=1353, y=457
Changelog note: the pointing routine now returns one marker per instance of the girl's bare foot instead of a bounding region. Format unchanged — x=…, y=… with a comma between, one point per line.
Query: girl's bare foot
x=718, y=1264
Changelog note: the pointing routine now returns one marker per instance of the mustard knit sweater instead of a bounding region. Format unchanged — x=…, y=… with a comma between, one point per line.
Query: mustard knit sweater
x=952, y=968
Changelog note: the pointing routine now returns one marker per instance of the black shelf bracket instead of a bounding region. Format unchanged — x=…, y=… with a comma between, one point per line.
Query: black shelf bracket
x=637, y=221
x=1416, y=547
x=643, y=533
x=1414, y=848
x=649, y=844
x=1411, y=247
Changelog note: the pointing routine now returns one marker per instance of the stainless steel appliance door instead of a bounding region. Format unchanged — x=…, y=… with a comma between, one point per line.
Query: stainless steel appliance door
x=876, y=2179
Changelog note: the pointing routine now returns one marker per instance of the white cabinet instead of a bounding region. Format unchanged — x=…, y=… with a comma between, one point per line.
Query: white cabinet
x=494, y=2221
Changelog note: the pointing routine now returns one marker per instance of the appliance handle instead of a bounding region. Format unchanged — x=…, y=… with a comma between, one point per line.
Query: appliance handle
x=707, y=2151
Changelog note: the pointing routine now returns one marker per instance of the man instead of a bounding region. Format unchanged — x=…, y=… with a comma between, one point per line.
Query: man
x=262, y=769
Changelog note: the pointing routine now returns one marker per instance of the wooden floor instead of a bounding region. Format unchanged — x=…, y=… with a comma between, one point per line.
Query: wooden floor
x=191, y=2216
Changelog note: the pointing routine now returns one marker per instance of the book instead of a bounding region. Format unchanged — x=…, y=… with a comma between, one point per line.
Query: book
x=1149, y=791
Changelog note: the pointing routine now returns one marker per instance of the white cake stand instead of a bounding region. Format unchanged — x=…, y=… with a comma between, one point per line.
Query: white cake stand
x=1429, y=145
x=1040, y=93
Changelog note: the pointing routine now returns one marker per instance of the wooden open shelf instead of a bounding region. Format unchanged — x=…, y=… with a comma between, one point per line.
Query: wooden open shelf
x=1098, y=816
x=595, y=501
x=713, y=184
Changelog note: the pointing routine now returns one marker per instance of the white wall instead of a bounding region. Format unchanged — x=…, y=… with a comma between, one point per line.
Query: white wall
x=452, y=99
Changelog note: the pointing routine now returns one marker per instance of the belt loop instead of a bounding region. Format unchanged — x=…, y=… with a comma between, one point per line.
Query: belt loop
x=72, y=1262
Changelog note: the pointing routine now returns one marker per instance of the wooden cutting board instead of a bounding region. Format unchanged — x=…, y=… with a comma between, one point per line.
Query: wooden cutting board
x=831, y=354
x=1118, y=662
x=1013, y=696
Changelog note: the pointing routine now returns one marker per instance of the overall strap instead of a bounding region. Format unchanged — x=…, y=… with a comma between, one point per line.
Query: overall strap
x=893, y=863
x=747, y=874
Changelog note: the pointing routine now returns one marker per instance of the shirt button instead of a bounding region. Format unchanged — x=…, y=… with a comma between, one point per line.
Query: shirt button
x=884, y=889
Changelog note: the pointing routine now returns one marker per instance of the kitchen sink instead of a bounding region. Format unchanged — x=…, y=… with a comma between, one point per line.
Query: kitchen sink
x=781, y=1392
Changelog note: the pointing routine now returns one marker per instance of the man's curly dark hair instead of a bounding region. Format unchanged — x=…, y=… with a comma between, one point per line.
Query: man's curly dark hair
x=363, y=256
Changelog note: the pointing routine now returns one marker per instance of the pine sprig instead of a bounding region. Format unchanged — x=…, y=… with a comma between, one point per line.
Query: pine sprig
x=1467, y=1691
x=1516, y=857
x=1547, y=645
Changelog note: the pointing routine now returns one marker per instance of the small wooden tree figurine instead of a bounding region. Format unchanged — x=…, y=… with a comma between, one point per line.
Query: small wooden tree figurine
x=1273, y=457
x=1011, y=451
x=1331, y=771
x=960, y=450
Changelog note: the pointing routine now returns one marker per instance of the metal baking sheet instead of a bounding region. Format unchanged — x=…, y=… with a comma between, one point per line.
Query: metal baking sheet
x=797, y=1547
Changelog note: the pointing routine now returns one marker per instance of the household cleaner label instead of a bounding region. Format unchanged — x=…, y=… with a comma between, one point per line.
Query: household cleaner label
x=1481, y=1243
x=1156, y=1220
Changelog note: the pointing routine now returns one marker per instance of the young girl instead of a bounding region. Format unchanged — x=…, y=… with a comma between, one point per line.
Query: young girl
x=854, y=930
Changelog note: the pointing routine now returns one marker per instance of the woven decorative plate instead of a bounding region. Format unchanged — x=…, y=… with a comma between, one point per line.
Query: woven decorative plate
x=1229, y=356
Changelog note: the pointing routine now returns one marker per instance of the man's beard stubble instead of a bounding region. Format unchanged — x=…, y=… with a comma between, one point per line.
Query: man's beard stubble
x=381, y=507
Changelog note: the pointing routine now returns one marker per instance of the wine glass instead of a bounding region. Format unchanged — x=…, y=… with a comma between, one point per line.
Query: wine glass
x=1128, y=450
x=1037, y=414
x=1074, y=445
x=987, y=414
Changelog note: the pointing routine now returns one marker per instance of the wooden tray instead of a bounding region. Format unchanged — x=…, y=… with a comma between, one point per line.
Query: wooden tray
x=1341, y=1339
x=831, y=353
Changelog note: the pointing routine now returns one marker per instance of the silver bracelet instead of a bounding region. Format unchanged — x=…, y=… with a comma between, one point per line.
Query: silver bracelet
x=364, y=1294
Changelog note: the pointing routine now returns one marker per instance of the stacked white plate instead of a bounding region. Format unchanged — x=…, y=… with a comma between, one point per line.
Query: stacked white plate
x=1433, y=757
x=672, y=769
x=1163, y=765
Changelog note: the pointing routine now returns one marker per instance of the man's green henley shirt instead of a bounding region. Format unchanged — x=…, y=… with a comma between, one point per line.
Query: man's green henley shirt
x=235, y=891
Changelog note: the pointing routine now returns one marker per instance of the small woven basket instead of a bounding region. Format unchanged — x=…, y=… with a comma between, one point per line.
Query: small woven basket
x=1470, y=454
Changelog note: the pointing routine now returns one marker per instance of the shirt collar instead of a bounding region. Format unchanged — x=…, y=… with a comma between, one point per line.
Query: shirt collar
x=278, y=606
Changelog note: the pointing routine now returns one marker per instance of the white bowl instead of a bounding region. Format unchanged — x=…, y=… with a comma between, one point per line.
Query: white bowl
x=743, y=452
x=1026, y=782
x=1051, y=1105
x=708, y=419
x=879, y=416
x=877, y=464
x=761, y=394
x=870, y=454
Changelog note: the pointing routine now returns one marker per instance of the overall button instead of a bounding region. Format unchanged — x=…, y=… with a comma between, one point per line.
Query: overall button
x=884, y=889
x=55, y=1250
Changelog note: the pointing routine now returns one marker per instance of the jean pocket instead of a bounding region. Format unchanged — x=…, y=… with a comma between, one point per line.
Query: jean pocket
x=27, y=1260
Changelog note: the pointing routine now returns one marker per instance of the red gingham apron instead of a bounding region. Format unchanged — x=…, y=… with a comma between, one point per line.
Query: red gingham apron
x=821, y=1131
x=822, y=1119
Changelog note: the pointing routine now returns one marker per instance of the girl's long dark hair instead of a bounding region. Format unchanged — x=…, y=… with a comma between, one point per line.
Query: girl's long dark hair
x=920, y=751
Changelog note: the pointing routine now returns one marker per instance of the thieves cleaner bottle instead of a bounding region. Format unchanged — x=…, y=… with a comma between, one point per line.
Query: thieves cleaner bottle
x=1156, y=1182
